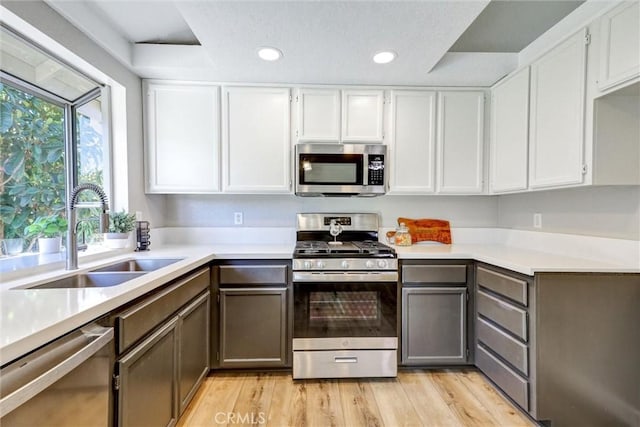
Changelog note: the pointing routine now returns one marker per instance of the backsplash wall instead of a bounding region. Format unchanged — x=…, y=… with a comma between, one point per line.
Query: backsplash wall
x=280, y=210
x=594, y=211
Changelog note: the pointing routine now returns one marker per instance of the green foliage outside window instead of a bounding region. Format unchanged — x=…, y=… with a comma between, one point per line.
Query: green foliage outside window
x=32, y=160
x=32, y=170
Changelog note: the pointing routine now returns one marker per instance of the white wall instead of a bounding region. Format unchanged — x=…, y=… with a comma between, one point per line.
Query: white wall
x=279, y=211
x=42, y=17
x=595, y=211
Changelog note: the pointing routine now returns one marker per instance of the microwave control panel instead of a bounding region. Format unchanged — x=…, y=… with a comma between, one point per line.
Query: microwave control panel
x=376, y=169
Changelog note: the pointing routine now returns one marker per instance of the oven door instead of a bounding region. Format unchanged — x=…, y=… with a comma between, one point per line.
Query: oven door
x=345, y=305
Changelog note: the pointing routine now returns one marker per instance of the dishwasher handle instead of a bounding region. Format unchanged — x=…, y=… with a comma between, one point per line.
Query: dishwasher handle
x=98, y=338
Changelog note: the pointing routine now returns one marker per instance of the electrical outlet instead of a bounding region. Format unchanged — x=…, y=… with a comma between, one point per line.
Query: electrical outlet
x=537, y=220
x=238, y=218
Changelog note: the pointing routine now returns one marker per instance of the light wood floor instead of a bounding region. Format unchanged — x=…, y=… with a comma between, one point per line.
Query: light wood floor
x=414, y=398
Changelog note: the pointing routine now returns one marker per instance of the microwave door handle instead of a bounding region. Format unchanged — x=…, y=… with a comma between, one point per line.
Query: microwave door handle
x=365, y=167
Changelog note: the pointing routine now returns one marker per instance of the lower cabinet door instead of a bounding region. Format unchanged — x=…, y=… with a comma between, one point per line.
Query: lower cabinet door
x=193, y=348
x=253, y=327
x=434, y=326
x=145, y=395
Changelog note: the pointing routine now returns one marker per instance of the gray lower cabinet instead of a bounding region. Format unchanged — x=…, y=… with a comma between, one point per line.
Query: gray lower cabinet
x=253, y=325
x=504, y=340
x=434, y=326
x=563, y=346
x=193, y=348
x=434, y=305
x=162, y=352
x=147, y=380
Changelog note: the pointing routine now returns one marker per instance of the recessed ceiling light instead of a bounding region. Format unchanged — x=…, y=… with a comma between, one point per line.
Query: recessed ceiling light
x=384, y=57
x=269, y=53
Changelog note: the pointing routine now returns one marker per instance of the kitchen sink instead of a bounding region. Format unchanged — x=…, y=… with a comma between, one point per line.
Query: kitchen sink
x=90, y=280
x=138, y=265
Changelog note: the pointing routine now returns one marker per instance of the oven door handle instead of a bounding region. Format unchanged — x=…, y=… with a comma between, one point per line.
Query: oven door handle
x=361, y=276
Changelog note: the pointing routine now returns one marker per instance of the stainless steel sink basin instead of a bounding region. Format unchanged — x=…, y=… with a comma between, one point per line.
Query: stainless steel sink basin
x=90, y=280
x=150, y=264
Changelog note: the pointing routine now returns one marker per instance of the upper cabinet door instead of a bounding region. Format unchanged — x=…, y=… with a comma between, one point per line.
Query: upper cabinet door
x=362, y=115
x=318, y=115
x=412, y=142
x=510, y=133
x=557, y=115
x=619, y=45
x=182, y=137
x=460, y=142
x=256, y=140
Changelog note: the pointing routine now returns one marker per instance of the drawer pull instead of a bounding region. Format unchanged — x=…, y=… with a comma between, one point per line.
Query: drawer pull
x=345, y=359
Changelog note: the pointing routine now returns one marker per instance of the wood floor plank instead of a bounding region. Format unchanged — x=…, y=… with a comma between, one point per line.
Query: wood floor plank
x=253, y=401
x=288, y=403
x=218, y=395
x=415, y=398
x=358, y=404
x=426, y=400
x=323, y=406
x=503, y=411
x=393, y=404
x=467, y=408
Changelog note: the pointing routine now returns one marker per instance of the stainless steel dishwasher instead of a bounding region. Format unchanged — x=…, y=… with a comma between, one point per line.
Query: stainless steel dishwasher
x=66, y=382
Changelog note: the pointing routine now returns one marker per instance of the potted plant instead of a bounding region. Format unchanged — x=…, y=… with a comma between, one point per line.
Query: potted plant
x=49, y=230
x=120, y=225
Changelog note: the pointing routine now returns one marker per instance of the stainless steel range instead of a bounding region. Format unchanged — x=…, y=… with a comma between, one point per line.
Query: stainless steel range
x=345, y=289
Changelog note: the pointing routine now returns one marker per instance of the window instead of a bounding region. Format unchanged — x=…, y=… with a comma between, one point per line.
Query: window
x=48, y=111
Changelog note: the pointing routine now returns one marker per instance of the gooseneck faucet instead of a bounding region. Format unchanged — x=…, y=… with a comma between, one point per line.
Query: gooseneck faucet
x=72, y=236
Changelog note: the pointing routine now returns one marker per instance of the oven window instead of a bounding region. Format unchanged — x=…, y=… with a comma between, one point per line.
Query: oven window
x=331, y=169
x=343, y=306
x=345, y=309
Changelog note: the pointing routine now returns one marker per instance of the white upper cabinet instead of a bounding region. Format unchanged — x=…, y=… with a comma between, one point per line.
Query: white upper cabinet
x=510, y=133
x=256, y=140
x=412, y=142
x=318, y=115
x=557, y=115
x=362, y=115
x=460, y=138
x=332, y=115
x=619, y=45
x=182, y=137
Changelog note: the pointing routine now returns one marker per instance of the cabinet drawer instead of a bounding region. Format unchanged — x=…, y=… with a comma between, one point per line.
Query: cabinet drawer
x=253, y=274
x=511, y=318
x=434, y=274
x=345, y=364
x=510, y=349
x=509, y=381
x=136, y=322
x=509, y=287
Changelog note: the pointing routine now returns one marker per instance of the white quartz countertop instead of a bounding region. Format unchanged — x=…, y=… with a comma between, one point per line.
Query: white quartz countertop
x=30, y=318
x=523, y=261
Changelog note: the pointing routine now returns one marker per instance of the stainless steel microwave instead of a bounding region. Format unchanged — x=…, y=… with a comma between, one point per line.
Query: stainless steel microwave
x=341, y=169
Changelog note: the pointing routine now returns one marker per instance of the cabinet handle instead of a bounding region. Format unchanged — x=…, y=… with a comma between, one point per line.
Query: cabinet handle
x=345, y=359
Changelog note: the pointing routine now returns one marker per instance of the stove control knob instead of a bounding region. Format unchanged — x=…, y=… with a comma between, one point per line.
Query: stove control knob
x=321, y=264
x=369, y=264
x=382, y=264
x=307, y=265
x=345, y=264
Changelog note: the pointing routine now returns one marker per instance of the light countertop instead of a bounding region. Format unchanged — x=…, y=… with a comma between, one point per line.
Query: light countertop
x=30, y=318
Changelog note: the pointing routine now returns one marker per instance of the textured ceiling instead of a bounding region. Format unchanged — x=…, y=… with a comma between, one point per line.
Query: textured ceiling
x=438, y=42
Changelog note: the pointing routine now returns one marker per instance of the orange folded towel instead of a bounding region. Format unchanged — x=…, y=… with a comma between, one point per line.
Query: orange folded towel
x=421, y=230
